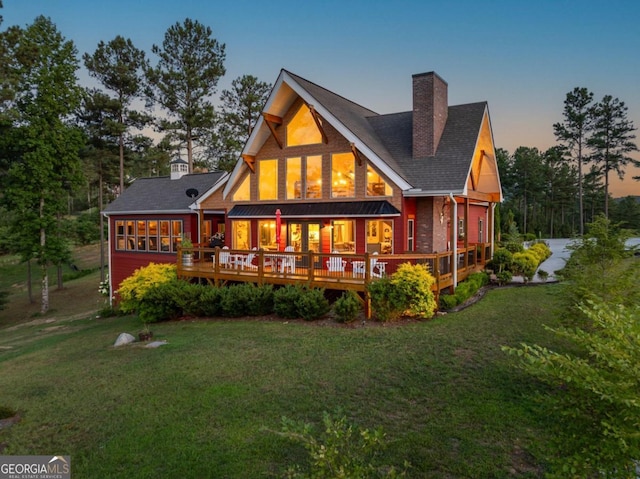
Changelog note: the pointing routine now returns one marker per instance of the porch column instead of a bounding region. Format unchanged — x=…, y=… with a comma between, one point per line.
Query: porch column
x=454, y=241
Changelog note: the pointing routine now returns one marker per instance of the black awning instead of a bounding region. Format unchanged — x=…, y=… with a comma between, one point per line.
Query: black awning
x=338, y=209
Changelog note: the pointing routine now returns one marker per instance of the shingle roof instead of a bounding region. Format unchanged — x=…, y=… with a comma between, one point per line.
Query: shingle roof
x=162, y=194
x=391, y=138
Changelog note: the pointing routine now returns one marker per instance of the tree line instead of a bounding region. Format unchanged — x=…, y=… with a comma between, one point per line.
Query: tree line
x=554, y=193
x=65, y=148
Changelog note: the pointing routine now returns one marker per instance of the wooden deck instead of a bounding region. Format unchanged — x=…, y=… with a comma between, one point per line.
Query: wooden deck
x=266, y=267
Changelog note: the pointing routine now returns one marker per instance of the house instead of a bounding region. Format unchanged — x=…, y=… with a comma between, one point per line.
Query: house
x=321, y=173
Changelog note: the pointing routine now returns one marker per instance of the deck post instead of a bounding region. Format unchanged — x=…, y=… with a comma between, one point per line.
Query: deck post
x=311, y=273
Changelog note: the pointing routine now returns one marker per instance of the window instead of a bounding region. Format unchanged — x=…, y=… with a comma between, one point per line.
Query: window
x=148, y=235
x=267, y=235
x=342, y=175
x=241, y=234
x=480, y=230
x=302, y=129
x=410, y=234
x=243, y=192
x=343, y=236
x=294, y=178
x=380, y=236
x=268, y=180
x=314, y=177
x=376, y=186
x=460, y=228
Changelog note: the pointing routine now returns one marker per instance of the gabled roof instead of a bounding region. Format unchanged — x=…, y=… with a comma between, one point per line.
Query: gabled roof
x=164, y=195
x=386, y=140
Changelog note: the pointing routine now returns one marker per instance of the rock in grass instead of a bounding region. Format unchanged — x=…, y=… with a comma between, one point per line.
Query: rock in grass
x=124, y=338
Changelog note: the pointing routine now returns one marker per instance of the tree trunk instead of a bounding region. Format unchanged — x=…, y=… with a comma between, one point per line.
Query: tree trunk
x=44, y=307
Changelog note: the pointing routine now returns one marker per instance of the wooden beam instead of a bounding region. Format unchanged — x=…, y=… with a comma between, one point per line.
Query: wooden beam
x=272, y=121
x=490, y=197
x=356, y=153
x=316, y=118
x=250, y=160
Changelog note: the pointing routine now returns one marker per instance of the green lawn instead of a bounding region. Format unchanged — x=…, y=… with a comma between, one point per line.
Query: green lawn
x=201, y=406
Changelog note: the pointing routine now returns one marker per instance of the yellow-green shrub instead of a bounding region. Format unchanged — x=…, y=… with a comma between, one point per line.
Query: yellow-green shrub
x=133, y=288
x=414, y=282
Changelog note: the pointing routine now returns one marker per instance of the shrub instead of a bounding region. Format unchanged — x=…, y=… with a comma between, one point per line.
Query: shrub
x=234, y=300
x=542, y=249
x=504, y=277
x=188, y=297
x=312, y=304
x=502, y=260
x=284, y=301
x=448, y=301
x=339, y=450
x=594, y=393
x=210, y=302
x=133, y=288
x=387, y=302
x=347, y=307
x=414, y=282
x=525, y=264
x=261, y=300
x=160, y=303
x=6, y=412
x=543, y=275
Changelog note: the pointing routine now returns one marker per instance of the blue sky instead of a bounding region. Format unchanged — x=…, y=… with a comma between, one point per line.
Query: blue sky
x=520, y=56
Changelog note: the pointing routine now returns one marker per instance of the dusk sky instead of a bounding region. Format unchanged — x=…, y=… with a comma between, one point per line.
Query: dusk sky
x=520, y=56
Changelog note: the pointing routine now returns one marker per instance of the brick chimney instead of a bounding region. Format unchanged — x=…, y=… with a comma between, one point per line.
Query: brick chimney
x=430, y=108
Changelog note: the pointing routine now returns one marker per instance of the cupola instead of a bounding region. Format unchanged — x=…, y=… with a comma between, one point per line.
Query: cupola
x=179, y=168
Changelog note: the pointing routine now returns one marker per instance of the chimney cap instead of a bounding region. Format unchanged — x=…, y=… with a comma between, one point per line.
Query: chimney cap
x=434, y=74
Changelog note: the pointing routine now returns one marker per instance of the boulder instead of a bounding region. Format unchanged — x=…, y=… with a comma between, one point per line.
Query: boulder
x=124, y=338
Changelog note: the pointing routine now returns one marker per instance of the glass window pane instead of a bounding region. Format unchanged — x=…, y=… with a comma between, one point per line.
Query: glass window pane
x=342, y=175
x=343, y=236
x=302, y=129
x=267, y=232
x=314, y=177
x=268, y=180
x=243, y=193
x=376, y=186
x=241, y=238
x=294, y=178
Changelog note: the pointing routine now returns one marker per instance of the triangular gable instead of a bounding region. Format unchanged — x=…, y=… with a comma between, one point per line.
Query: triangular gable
x=284, y=93
x=483, y=181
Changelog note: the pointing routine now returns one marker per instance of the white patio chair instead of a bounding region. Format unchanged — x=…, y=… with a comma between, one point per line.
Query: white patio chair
x=336, y=264
x=224, y=257
x=288, y=262
x=248, y=260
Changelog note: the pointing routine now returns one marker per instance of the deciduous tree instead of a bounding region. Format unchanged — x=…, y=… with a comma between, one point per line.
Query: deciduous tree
x=44, y=165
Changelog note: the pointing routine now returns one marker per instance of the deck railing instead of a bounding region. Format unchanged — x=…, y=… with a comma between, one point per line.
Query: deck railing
x=327, y=270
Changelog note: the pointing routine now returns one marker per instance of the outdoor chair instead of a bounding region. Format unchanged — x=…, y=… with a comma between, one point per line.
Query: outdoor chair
x=288, y=262
x=376, y=268
x=224, y=258
x=336, y=264
x=248, y=260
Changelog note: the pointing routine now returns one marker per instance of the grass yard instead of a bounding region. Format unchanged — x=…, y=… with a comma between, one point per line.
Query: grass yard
x=203, y=405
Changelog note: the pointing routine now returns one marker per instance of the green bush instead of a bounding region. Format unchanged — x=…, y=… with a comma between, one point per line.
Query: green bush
x=188, y=297
x=525, y=264
x=312, y=304
x=133, y=288
x=284, y=301
x=448, y=301
x=502, y=260
x=261, y=301
x=86, y=227
x=234, y=300
x=339, y=450
x=210, y=302
x=415, y=282
x=387, y=302
x=594, y=393
x=160, y=302
x=347, y=307
x=504, y=277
